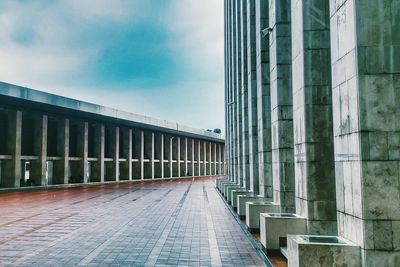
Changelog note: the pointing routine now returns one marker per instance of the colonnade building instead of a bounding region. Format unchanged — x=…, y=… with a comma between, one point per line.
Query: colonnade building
x=51, y=140
x=313, y=127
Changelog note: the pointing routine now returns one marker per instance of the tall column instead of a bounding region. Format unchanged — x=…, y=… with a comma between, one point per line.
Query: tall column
x=199, y=156
x=263, y=100
x=179, y=157
x=185, y=157
x=205, y=157
x=162, y=156
x=152, y=155
x=219, y=158
x=252, y=96
x=281, y=104
x=99, y=150
x=11, y=172
x=126, y=167
x=210, y=158
x=312, y=116
x=245, y=99
x=114, y=149
x=61, y=166
x=215, y=160
x=141, y=159
x=171, y=164
x=38, y=167
x=365, y=40
x=193, y=150
x=238, y=94
x=82, y=149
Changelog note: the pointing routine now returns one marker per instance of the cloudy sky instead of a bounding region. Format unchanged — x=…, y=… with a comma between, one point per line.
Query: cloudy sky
x=161, y=58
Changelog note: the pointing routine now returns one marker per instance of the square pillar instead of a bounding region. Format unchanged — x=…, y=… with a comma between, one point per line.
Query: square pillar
x=281, y=104
x=38, y=168
x=99, y=152
x=141, y=159
x=152, y=155
x=126, y=167
x=61, y=167
x=179, y=157
x=193, y=159
x=11, y=171
x=82, y=149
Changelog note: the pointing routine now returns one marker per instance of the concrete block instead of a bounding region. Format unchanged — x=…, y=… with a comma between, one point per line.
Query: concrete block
x=274, y=227
x=229, y=190
x=225, y=188
x=237, y=193
x=306, y=250
x=242, y=199
x=253, y=211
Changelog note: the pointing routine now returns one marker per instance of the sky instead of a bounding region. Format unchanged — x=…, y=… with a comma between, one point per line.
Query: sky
x=159, y=58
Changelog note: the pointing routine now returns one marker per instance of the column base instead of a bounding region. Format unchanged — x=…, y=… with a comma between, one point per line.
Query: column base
x=236, y=194
x=227, y=190
x=309, y=250
x=241, y=203
x=253, y=211
x=274, y=228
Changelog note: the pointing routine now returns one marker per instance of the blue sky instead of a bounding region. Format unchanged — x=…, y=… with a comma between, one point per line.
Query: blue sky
x=161, y=58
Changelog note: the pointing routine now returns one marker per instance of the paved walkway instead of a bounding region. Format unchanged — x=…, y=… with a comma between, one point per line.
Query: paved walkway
x=183, y=223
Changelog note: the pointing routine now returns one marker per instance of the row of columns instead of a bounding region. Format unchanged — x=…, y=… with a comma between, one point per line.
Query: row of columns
x=76, y=151
x=312, y=114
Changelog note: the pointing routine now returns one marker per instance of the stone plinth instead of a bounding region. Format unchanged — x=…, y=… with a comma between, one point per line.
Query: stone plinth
x=228, y=189
x=242, y=203
x=274, y=227
x=311, y=250
x=237, y=193
x=253, y=211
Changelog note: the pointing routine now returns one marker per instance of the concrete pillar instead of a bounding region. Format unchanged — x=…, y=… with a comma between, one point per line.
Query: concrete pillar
x=185, y=157
x=11, y=171
x=238, y=94
x=61, y=167
x=245, y=100
x=205, y=157
x=210, y=159
x=219, y=158
x=99, y=150
x=179, y=156
x=365, y=44
x=171, y=164
x=152, y=155
x=113, y=170
x=126, y=166
x=141, y=159
x=82, y=149
x=162, y=155
x=263, y=100
x=199, y=156
x=215, y=160
x=312, y=116
x=193, y=159
x=252, y=97
x=38, y=167
x=281, y=104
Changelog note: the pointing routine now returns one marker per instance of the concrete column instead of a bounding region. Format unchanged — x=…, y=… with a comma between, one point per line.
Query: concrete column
x=263, y=100
x=215, y=160
x=61, y=167
x=126, y=167
x=210, y=159
x=162, y=156
x=99, y=150
x=238, y=94
x=245, y=100
x=312, y=116
x=365, y=41
x=205, y=157
x=219, y=158
x=232, y=57
x=11, y=172
x=179, y=156
x=185, y=157
x=152, y=155
x=281, y=104
x=199, y=156
x=114, y=149
x=252, y=96
x=82, y=149
x=171, y=164
x=141, y=159
x=38, y=167
x=193, y=157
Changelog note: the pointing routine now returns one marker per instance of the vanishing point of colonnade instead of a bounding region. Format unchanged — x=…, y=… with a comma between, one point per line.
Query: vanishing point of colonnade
x=313, y=128
x=49, y=140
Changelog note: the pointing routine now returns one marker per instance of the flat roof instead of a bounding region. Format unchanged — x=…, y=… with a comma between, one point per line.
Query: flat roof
x=21, y=96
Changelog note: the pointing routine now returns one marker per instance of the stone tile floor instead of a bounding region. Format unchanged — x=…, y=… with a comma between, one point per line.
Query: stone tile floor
x=168, y=223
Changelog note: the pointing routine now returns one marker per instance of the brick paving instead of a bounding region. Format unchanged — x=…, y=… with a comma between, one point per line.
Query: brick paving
x=169, y=223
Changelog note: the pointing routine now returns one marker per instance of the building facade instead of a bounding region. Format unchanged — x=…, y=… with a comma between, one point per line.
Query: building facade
x=51, y=140
x=312, y=116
